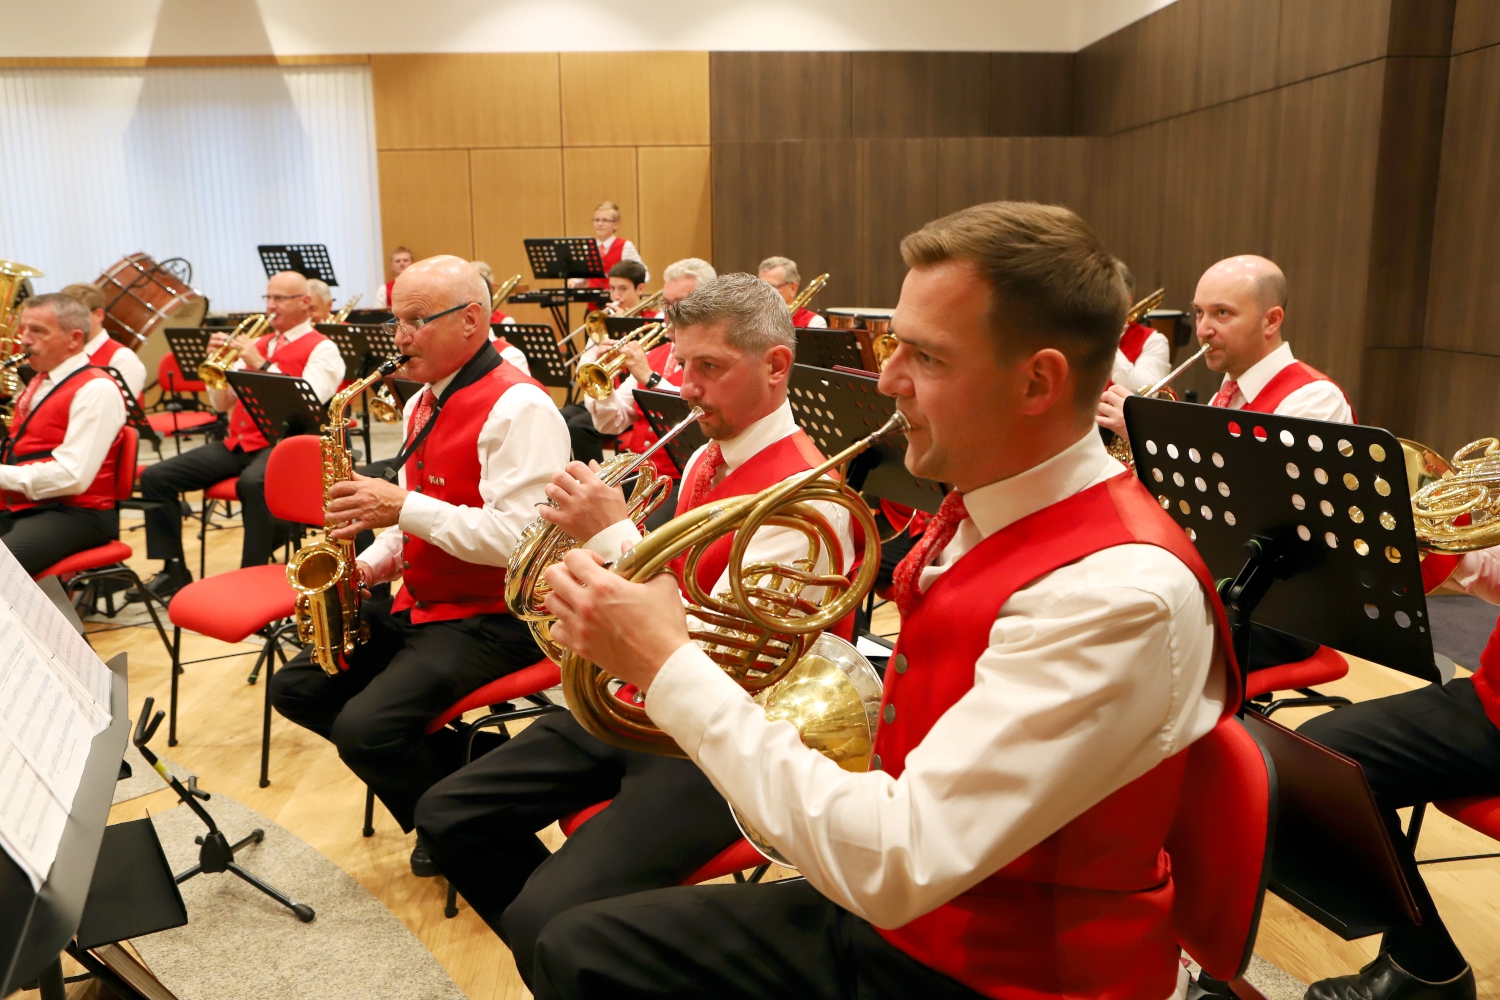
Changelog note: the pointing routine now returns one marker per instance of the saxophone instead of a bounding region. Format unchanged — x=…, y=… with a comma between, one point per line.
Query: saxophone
x=322, y=573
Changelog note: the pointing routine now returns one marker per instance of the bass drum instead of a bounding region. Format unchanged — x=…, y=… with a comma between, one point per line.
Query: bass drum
x=871, y=326
x=142, y=296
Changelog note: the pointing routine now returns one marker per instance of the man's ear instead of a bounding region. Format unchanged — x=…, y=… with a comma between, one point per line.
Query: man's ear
x=1273, y=319
x=779, y=363
x=1046, y=381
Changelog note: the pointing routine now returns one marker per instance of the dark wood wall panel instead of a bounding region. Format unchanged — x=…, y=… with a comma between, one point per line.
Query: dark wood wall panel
x=1031, y=93
x=779, y=95
x=1236, y=70
x=1049, y=170
x=1421, y=28
x=1320, y=36
x=898, y=181
x=1456, y=401
x=904, y=95
x=1476, y=23
x=1142, y=73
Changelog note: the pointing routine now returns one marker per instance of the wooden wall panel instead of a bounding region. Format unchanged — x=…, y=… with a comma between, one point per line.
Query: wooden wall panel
x=899, y=181
x=779, y=95
x=1031, y=93
x=451, y=100
x=1457, y=402
x=595, y=174
x=1420, y=28
x=1045, y=169
x=1100, y=80
x=634, y=98
x=517, y=193
x=1237, y=70
x=424, y=200
x=1476, y=23
x=903, y=95
x=676, y=204
x=1391, y=378
x=1320, y=36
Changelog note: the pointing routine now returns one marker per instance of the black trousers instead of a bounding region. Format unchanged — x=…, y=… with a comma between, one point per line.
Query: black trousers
x=1430, y=744
x=666, y=822
x=728, y=942
x=403, y=678
x=40, y=536
x=588, y=443
x=199, y=469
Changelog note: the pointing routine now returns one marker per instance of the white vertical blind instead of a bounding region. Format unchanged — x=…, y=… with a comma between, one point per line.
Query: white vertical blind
x=203, y=163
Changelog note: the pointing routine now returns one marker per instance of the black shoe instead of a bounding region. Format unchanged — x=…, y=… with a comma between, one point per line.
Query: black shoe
x=164, y=584
x=1383, y=979
x=422, y=865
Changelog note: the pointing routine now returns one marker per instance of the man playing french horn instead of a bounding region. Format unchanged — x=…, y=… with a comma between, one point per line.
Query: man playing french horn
x=482, y=440
x=734, y=341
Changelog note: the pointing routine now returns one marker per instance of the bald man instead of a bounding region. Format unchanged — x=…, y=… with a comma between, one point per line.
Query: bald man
x=291, y=348
x=482, y=441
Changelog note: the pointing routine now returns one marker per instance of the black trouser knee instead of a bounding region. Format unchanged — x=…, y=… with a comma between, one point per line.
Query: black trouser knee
x=588, y=443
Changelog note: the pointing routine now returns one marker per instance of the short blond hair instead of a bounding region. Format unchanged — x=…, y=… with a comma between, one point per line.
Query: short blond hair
x=87, y=294
x=789, y=272
x=609, y=206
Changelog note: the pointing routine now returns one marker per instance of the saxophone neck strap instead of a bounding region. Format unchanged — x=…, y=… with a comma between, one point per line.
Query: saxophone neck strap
x=477, y=367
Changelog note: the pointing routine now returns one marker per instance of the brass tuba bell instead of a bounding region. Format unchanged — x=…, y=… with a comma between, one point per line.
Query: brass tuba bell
x=1455, y=504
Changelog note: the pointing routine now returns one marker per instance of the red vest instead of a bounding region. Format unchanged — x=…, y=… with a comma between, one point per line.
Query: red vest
x=439, y=586
x=388, y=286
x=641, y=436
x=1133, y=340
x=611, y=257
x=499, y=316
x=106, y=352
x=1287, y=381
x=1087, y=913
x=44, y=430
x=802, y=317
x=290, y=360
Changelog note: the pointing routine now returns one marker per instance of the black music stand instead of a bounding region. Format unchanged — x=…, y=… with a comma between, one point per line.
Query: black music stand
x=353, y=343
x=308, y=259
x=404, y=388
x=665, y=410
x=1308, y=527
x=134, y=415
x=189, y=345
x=833, y=348
x=368, y=317
x=280, y=405
x=565, y=257
x=544, y=356
x=619, y=326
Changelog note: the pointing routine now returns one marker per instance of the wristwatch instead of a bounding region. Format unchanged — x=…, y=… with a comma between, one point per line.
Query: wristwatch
x=654, y=380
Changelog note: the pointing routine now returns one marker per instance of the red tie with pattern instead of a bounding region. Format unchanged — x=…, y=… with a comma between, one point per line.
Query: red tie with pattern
x=939, y=533
x=703, y=474
x=422, y=414
x=1226, y=393
x=23, y=405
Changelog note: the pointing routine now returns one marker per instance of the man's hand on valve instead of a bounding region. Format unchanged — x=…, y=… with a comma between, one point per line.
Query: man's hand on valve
x=629, y=629
x=585, y=504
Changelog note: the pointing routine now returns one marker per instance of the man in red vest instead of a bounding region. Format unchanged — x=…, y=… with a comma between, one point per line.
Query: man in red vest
x=103, y=350
x=627, y=283
x=735, y=341
x=1061, y=645
x=613, y=247
x=1437, y=742
x=482, y=440
x=1144, y=355
x=292, y=348
x=781, y=274
x=401, y=259
x=57, y=468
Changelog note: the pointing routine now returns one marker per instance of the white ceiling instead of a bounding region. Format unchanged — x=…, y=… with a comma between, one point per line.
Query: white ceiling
x=325, y=27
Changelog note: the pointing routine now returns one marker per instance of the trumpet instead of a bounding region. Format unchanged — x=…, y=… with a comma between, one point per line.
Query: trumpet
x=544, y=543
x=805, y=296
x=502, y=291
x=593, y=321
x=1119, y=447
x=322, y=573
x=214, y=372
x=346, y=309
x=597, y=377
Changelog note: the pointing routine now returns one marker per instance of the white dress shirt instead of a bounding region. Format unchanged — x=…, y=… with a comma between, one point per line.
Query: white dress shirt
x=1478, y=573
x=1154, y=362
x=615, y=413
x=1095, y=673
x=522, y=444
x=1319, y=400
x=816, y=323
x=94, y=420
x=627, y=252
x=125, y=361
x=381, y=302
x=782, y=545
x=512, y=353
x=324, y=371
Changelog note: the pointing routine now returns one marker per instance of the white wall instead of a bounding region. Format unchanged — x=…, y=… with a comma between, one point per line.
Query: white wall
x=324, y=27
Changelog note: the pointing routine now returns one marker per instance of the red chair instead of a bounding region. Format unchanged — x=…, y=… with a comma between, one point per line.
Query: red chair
x=1477, y=812
x=225, y=490
x=80, y=571
x=256, y=600
x=179, y=400
x=1323, y=667
x=1220, y=848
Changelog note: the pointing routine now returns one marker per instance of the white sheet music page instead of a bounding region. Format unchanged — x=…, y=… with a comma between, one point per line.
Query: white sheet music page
x=54, y=699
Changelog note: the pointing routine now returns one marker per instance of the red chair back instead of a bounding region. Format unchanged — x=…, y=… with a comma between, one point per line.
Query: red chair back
x=1220, y=846
x=169, y=376
x=125, y=447
x=294, y=480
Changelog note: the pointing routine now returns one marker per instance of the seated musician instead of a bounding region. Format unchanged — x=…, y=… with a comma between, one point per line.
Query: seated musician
x=613, y=247
x=57, y=469
x=666, y=821
x=1061, y=645
x=103, y=350
x=292, y=347
x=1144, y=355
x=508, y=351
x=781, y=274
x=401, y=259
x=322, y=300
x=627, y=285
x=482, y=442
x=617, y=413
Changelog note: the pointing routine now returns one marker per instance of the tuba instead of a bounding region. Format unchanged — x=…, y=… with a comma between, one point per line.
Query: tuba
x=1455, y=504
x=345, y=309
x=597, y=377
x=1138, y=311
x=322, y=573
x=15, y=288
x=806, y=295
x=214, y=372
x=544, y=543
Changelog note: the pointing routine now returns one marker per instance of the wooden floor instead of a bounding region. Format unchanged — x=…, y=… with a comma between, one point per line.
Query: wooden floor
x=313, y=795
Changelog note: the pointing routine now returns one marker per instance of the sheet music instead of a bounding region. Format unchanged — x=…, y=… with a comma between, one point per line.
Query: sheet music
x=54, y=699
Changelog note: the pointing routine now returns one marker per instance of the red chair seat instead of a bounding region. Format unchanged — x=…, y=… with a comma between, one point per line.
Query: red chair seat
x=233, y=605
x=166, y=423
x=1323, y=666
x=737, y=857
x=1482, y=812
x=224, y=489
x=528, y=680
x=95, y=558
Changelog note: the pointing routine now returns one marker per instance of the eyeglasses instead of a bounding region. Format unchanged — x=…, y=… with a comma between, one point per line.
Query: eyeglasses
x=278, y=299
x=395, y=326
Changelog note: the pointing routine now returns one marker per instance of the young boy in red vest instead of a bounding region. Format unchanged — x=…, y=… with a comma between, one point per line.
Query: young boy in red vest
x=401, y=259
x=293, y=348
x=735, y=341
x=781, y=273
x=58, y=467
x=481, y=441
x=1061, y=646
x=103, y=350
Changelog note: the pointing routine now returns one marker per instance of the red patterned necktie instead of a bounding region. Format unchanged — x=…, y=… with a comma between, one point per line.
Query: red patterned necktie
x=422, y=415
x=1226, y=393
x=939, y=533
x=23, y=405
x=703, y=474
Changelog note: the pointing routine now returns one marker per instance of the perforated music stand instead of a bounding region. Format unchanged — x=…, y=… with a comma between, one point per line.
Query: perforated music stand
x=565, y=257
x=308, y=259
x=280, y=405
x=665, y=410
x=134, y=415
x=368, y=317
x=403, y=388
x=619, y=326
x=190, y=345
x=548, y=364
x=821, y=348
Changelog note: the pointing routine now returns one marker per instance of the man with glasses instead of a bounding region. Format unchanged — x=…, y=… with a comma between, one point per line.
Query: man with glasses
x=482, y=441
x=292, y=348
x=781, y=273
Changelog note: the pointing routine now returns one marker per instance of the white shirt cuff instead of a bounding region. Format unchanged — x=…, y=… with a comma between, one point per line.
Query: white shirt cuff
x=689, y=690
x=608, y=543
x=419, y=514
